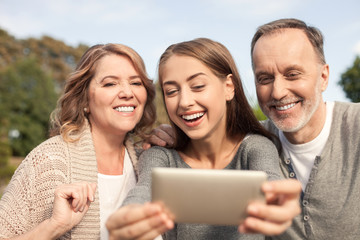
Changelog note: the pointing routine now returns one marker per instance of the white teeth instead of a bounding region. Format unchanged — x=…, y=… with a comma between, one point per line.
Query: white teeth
x=192, y=116
x=125, y=109
x=286, y=107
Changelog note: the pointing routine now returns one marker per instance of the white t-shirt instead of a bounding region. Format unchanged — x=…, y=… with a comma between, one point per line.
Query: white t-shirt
x=302, y=156
x=112, y=191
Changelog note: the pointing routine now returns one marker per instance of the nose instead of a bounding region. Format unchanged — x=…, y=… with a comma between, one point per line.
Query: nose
x=125, y=90
x=279, y=88
x=186, y=98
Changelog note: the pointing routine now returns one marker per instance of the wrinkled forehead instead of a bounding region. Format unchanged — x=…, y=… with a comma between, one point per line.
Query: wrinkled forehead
x=286, y=44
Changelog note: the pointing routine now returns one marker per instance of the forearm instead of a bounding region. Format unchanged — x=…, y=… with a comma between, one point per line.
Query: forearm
x=45, y=230
x=148, y=160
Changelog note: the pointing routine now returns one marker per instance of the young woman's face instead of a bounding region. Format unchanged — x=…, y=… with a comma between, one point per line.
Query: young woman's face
x=117, y=96
x=195, y=98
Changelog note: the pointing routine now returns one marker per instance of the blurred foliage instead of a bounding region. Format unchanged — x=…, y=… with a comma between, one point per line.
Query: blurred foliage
x=5, y=153
x=350, y=81
x=6, y=174
x=32, y=74
x=28, y=97
x=258, y=113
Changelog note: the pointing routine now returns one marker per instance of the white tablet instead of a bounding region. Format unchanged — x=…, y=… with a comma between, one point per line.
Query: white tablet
x=218, y=197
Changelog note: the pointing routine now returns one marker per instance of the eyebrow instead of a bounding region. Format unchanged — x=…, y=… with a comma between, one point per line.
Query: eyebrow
x=288, y=68
x=261, y=73
x=172, y=82
x=115, y=77
x=294, y=66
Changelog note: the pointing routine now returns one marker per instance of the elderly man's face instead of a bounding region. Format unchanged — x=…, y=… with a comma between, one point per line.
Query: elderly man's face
x=289, y=79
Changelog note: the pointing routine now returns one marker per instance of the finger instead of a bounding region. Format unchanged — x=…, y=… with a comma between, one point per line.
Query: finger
x=79, y=194
x=91, y=191
x=130, y=214
x=271, y=198
x=168, y=129
x=84, y=187
x=88, y=191
x=275, y=213
x=166, y=134
x=147, y=228
x=69, y=193
x=86, y=208
x=255, y=225
x=244, y=229
x=146, y=145
x=75, y=202
x=158, y=230
x=163, y=134
x=155, y=140
x=288, y=186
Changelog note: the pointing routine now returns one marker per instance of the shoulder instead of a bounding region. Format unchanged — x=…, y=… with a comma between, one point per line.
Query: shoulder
x=257, y=147
x=268, y=125
x=159, y=157
x=349, y=108
x=54, y=146
x=257, y=141
x=158, y=151
x=47, y=158
x=346, y=114
x=259, y=153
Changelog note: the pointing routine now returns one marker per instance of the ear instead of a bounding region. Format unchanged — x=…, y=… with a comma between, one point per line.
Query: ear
x=324, y=77
x=229, y=88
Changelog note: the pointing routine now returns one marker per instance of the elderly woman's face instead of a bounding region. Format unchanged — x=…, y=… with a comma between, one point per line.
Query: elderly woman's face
x=117, y=96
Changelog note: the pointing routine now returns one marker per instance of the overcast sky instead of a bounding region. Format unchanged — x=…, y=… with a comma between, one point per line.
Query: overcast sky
x=150, y=26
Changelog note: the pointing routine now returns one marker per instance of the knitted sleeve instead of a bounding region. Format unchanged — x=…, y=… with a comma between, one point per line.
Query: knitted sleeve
x=28, y=199
x=153, y=157
x=16, y=202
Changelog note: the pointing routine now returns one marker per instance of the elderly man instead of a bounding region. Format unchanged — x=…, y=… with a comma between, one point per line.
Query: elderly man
x=320, y=140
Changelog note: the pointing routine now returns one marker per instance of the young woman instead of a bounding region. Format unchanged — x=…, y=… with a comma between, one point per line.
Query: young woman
x=215, y=129
x=89, y=163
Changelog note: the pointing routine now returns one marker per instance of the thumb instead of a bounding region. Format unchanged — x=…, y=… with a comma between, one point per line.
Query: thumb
x=92, y=191
x=93, y=186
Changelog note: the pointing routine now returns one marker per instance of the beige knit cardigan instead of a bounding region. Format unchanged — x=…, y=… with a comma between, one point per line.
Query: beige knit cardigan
x=29, y=197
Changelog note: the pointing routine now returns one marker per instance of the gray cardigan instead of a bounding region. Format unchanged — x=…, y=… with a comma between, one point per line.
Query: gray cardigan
x=254, y=153
x=331, y=201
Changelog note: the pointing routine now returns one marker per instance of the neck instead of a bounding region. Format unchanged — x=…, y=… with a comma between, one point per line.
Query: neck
x=311, y=130
x=211, y=154
x=110, y=152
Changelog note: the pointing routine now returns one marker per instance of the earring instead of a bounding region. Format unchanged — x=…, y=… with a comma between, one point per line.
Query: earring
x=86, y=110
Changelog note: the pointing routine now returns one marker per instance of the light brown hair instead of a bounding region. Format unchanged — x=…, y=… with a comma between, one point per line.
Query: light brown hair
x=69, y=117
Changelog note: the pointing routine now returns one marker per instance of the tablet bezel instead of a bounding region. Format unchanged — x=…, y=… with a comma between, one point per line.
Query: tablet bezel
x=217, y=197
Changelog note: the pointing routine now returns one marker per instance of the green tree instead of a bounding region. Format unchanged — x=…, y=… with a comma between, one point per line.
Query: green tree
x=350, y=81
x=27, y=96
